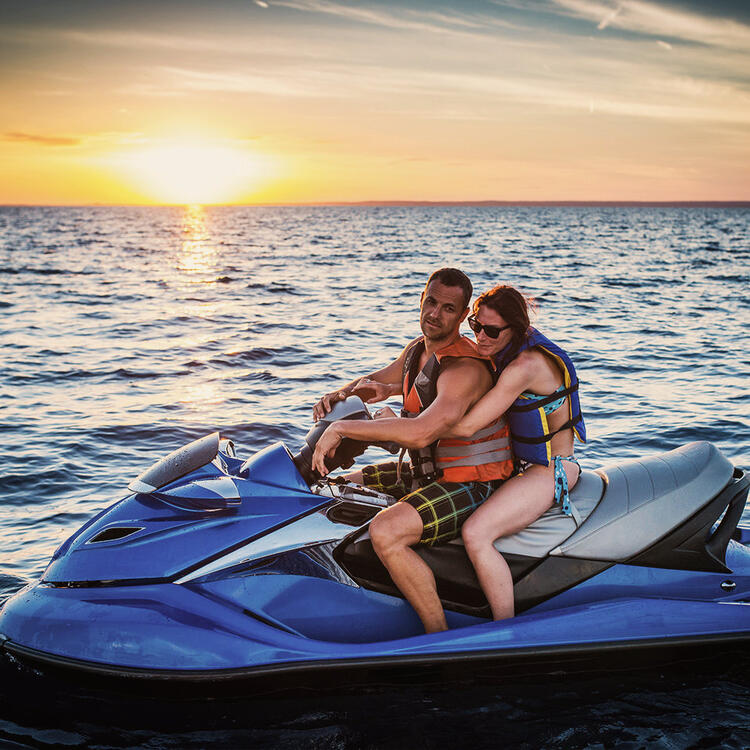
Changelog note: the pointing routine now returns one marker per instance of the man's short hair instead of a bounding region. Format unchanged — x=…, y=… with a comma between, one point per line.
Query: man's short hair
x=453, y=277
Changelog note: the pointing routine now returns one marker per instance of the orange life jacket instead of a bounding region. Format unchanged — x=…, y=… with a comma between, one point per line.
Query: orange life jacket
x=484, y=456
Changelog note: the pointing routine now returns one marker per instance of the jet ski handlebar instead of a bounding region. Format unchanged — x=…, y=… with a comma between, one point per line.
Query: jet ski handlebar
x=351, y=408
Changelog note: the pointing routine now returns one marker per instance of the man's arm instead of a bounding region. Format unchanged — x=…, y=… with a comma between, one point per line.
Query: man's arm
x=376, y=386
x=460, y=384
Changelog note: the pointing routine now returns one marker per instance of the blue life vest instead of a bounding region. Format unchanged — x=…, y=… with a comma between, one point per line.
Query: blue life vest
x=530, y=433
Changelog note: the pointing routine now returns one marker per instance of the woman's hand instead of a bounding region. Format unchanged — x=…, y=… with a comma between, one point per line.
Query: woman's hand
x=326, y=446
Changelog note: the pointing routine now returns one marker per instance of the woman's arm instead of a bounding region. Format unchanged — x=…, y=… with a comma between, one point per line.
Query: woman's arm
x=512, y=382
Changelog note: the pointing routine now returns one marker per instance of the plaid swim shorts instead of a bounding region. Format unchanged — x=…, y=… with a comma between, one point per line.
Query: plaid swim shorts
x=442, y=506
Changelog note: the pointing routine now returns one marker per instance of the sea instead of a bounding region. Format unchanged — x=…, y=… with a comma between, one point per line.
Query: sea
x=127, y=332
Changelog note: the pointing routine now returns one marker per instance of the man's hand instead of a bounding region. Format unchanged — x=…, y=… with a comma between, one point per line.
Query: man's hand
x=385, y=413
x=371, y=391
x=367, y=389
x=376, y=386
x=326, y=403
x=326, y=446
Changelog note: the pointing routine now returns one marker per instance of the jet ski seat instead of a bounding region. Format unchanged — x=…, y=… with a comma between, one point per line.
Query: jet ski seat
x=624, y=507
x=645, y=499
x=554, y=527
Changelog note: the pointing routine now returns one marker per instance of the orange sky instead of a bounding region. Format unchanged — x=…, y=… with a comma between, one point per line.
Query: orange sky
x=325, y=100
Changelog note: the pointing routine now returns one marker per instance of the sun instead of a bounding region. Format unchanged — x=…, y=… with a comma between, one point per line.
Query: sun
x=194, y=172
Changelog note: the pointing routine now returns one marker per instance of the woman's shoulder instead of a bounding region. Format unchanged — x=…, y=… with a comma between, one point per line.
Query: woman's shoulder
x=528, y=359
x=521, y=368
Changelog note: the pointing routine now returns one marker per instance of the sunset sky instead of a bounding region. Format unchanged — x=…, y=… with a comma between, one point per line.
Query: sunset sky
x=284, y=101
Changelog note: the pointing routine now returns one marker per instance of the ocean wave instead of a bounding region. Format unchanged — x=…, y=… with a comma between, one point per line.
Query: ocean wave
x=34, y=485
x=742, y=278
x=14, y=271
x=129, y=374
x=625, y=283
x=151, y=438
x=51, y=376
x=9, y=585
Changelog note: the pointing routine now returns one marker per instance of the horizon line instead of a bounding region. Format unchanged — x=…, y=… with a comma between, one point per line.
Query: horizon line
x=410, y=203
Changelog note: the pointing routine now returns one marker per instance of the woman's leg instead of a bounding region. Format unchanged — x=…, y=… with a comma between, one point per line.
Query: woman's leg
x=512, y=507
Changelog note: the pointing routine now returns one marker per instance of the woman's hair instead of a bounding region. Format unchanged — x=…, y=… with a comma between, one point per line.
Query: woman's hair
x=514, y=309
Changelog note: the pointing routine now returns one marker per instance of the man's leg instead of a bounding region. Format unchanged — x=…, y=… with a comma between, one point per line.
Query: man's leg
x=383, y=477
x=394, y=531
x=439, y=510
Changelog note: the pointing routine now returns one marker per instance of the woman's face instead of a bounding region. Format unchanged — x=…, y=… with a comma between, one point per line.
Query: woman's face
x=486, y=345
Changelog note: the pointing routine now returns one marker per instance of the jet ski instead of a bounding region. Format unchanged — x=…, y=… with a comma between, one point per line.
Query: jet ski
x=218, y=568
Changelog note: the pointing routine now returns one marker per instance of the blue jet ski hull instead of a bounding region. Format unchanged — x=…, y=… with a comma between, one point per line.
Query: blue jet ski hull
x=236, y=570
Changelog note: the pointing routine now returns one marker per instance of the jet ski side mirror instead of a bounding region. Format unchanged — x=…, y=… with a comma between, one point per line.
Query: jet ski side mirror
x=351, y=408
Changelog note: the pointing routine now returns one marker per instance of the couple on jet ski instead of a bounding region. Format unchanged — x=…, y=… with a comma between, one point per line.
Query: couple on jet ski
x=489, y=428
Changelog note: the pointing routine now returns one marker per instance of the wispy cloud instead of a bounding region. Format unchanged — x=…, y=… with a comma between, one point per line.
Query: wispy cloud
x=292, y=83
x=126, y=39
x=659, y=20
x=607, y=20
x=665, y=97
x=41, y=140
x=433, y=22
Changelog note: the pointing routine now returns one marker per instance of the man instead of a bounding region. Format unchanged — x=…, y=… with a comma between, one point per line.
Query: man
x=440, y=376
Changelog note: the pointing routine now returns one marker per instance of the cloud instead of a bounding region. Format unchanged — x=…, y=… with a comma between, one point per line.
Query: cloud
x=42, y=140
x=663, y=44
x=657, y=20
x=408, y=20
x=665, y=98
x=185, y=80
x=609, y=18
x=120, y=38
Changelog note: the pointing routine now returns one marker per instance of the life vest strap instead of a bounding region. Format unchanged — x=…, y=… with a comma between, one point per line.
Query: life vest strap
x=546, y=437
x=478, y=460
x=498, y=424
x=489, y=446
x=540, y=402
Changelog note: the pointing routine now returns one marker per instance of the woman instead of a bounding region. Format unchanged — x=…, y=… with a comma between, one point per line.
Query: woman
x=537, y=389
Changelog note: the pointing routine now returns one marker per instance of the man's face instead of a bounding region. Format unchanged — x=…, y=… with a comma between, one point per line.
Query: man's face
x=442, y=311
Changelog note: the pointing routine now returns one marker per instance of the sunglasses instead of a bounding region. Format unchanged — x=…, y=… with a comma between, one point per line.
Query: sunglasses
x=491, y=331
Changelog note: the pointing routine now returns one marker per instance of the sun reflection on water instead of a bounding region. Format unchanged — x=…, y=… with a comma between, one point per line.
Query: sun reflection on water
x=196, y=263
x=198, y=255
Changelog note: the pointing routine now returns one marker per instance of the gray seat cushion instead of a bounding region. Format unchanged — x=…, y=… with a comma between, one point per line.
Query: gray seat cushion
x=645, y=499
x=554, y=527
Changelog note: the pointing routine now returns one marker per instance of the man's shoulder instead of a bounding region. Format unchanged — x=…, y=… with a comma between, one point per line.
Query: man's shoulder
x=469, y=367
